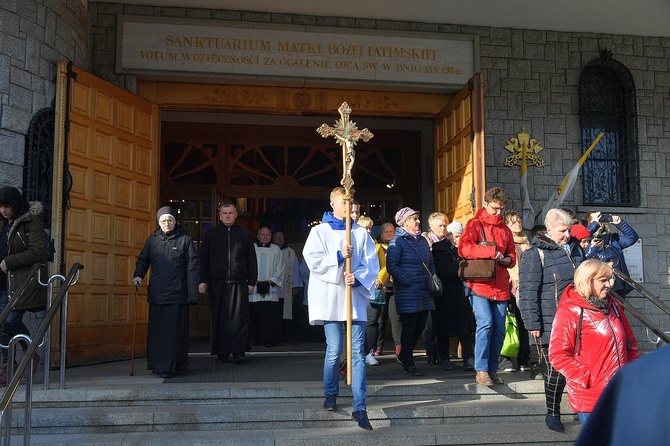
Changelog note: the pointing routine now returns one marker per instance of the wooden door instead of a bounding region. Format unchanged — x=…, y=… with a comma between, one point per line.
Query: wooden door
x=459, y=153
x=112, y=154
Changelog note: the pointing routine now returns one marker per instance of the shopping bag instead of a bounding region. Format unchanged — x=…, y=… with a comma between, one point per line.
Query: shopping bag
x=510, y=346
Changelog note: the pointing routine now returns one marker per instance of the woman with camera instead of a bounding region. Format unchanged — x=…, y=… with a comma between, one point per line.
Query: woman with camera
x=609, y=247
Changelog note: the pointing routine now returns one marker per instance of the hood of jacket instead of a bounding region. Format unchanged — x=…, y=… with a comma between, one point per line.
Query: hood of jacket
x=29, y=210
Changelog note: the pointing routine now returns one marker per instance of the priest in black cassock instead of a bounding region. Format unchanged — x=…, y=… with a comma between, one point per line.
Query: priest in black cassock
x=228, y=272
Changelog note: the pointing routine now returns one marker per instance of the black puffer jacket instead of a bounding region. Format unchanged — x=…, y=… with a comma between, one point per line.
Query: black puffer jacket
x=25, y=247
x=540, y=287
x=174, y=268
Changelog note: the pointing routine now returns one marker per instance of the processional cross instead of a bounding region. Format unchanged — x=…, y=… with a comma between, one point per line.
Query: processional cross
x=347, y=135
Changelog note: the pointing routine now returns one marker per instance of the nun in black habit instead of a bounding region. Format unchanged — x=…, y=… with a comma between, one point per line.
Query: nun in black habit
x=173, y=287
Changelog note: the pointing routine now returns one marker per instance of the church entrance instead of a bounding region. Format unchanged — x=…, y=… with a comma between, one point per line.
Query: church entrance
x=195, y=145
x=279, y=172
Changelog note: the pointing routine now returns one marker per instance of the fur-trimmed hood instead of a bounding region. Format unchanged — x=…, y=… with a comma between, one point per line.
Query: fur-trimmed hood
x=30, y=210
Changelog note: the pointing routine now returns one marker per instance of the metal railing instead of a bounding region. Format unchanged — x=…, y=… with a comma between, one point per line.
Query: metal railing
x=662, y=335
x=14, y=376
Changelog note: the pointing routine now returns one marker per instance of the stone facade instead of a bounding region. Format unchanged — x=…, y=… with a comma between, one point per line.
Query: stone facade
x=34, y=34
x=531, y=81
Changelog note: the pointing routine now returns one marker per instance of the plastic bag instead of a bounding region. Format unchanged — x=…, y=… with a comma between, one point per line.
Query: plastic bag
x=511, y=343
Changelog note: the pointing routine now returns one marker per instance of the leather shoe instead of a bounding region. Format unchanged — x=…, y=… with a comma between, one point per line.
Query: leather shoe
x=411, y=370
x=448, y=366
x=330, y=403
x=495, y=378
x=361, y=417
x=239, y=359
x=554, y=423
x=483, y=378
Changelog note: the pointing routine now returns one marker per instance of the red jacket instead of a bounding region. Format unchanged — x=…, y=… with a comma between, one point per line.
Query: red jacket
x=606, y=343
x=495, y=230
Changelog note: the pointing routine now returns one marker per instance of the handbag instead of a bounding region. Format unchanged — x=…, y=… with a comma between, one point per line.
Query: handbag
x=380, y=297
x=434, y=282
x=511, y=343
x=478, y=269
x=263, y=287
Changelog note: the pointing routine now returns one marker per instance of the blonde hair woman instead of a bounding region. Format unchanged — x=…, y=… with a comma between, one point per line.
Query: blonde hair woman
x=591, y=338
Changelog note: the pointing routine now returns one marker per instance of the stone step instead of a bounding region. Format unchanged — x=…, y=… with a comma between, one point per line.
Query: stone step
x=503, y=433
x=456, y=389
x=99, y=419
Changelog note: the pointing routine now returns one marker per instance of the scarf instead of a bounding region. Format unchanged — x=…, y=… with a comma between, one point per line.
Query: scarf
x=600, y=304
x=521, y=239
x=432, y=237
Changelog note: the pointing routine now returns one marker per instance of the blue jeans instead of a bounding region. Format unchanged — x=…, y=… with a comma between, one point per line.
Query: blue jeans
x=490, y=334
x=583, y=416
x=331, y=364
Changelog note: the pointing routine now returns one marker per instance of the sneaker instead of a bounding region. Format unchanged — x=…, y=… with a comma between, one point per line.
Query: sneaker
x=510, y=369
x=361, y=417
x=469, y=364
x=524, y=368
x=239, y=359
x=370, y=358
x=330, y=403
x=379, y=351
x=483, y=378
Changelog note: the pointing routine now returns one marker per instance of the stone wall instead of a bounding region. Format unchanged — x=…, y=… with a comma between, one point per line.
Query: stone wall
x=34, y=34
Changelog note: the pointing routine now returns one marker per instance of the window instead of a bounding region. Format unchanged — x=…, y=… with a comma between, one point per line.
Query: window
x=607, y=104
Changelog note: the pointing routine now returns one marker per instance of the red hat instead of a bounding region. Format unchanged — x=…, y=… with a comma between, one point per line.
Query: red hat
x=580, y=232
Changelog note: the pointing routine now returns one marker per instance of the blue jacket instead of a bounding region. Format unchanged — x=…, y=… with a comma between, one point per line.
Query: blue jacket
x=612, y=249
x=409, y=276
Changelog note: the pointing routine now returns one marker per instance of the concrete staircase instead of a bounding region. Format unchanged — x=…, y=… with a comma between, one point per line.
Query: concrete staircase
x=429, y=411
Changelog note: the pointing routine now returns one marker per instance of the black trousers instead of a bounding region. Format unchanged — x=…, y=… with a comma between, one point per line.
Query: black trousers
x=413, y=325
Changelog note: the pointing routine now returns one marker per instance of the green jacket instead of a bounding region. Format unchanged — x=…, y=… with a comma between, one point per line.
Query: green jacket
x=25, y=248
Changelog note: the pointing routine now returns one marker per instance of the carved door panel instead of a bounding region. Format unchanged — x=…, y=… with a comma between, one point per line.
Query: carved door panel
x=112, y=154
x=459, y=153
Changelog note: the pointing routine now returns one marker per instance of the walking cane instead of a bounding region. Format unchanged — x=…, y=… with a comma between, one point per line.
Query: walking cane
x=132, y=348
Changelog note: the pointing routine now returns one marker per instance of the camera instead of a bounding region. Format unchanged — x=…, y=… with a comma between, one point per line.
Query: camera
x=605, y=218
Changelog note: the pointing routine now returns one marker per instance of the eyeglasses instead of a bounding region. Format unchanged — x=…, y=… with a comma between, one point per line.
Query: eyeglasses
x=494, y=208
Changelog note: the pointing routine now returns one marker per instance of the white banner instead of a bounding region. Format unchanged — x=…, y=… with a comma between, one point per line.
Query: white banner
x=310, y=53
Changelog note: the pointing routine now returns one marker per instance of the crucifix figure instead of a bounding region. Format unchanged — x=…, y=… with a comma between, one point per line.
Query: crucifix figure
x=347, y=135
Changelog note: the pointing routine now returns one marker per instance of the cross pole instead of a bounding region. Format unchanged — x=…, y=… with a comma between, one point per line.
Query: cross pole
x=347, y=135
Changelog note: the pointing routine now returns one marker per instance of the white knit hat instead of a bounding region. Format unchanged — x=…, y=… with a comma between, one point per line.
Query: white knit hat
x=455, y=227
